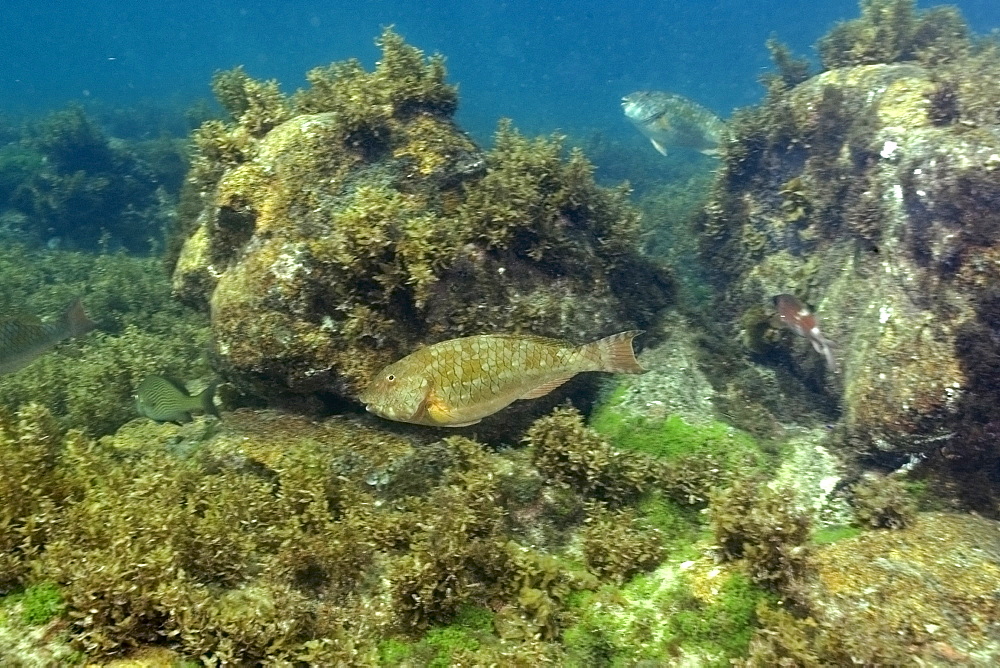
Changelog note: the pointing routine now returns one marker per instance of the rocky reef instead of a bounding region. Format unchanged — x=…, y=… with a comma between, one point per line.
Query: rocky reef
x=869, y=191
x=331, y=232
x=718, y=510
x=66, y=183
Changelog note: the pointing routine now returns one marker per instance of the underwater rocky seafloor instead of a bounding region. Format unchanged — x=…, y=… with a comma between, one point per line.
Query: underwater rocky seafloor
x=737, y=503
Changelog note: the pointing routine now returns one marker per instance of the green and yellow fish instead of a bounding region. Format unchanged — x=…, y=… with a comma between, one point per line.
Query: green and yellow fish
x=459, y=382
x=26, y=338
x=166, y=400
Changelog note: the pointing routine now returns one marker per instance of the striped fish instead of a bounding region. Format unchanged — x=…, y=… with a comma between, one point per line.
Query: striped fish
x=24, y=339
x=459, y=382
x=165, y=400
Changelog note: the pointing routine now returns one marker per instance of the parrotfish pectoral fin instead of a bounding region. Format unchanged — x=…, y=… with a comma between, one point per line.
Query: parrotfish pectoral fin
x=463, y=424
x=659, y=147
x=545, y=388
x=441, y=415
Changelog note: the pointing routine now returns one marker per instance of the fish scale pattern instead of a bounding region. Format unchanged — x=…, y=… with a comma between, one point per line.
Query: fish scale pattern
x=474, y=369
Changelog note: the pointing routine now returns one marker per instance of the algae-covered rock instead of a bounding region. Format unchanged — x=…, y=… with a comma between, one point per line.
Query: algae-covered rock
x=923, y=595
x=870, y=192
x=334, y=232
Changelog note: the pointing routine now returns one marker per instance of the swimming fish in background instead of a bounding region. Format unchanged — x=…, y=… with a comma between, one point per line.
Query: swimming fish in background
x=673, y=121
x=459, y=382
x=165, y=400
x=23, y=339
x=797, y=317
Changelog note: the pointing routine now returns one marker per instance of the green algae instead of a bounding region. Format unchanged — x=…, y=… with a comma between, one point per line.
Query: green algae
x=695, y=458
x=656, y=619
x=39, y=604
x=827, y=535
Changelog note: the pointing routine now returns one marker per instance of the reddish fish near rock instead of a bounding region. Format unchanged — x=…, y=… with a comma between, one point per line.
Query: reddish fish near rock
x=459, y=382
x=796, y=316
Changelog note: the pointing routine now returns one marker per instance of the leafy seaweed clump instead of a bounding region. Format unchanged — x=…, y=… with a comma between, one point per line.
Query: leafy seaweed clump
x=566, y=452
x=891, y=31
x=257, y=106
x=30, y=441
x=765, y=528
x=883, y=502
x=617, y=545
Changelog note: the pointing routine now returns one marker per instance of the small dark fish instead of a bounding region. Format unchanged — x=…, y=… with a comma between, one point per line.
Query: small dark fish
x=797, y=317
x=24, y=339
x=166, y=400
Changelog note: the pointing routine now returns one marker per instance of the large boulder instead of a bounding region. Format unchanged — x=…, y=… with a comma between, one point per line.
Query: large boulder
x=871, y=191
x=334, y=232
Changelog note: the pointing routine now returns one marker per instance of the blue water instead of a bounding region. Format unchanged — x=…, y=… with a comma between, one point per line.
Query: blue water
x=548, y=65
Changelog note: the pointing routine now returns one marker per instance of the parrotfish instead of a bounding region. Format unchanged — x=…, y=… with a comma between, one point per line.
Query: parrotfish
x=26, y=338
x=797, y=317
x=669, y=120
x=460, y=381
x=164, y=400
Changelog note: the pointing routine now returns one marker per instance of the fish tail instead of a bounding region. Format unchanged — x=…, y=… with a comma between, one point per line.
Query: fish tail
x=614, y=353
x=206, y=399
x=76, y=319
x=831, y=361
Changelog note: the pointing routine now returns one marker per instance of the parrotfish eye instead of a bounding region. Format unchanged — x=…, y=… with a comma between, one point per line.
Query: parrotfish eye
x=390, y=377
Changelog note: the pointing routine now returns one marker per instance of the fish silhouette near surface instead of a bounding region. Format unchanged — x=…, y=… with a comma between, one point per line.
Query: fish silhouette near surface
x=165, y=400
x=796, y=316
x=673, y=121
x=26, y=338
x=459, y=382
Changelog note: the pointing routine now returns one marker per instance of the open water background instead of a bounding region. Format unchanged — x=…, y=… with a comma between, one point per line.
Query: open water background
x=548, y=64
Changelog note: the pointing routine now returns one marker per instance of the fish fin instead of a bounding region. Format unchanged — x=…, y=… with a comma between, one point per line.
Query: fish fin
x=614, y=353
x=826, y=349
x=545, y=388
x=659, y=147
x=439, y=413
x=207, y=399
x=76, y=319
x=177, y=383
x=463, y=424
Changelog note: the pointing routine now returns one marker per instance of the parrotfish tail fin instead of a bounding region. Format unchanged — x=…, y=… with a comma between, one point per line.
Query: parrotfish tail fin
x=76, y=319
x=207, y=399
x=831, y=361
x=614, y=353
x=825, y=346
